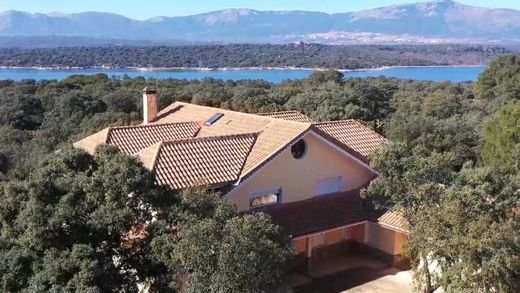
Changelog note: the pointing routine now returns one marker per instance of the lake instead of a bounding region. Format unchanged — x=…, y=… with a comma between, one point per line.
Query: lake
x=451, y=73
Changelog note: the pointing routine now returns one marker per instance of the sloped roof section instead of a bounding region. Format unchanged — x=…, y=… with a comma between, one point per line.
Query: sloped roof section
x=354, y=135
x=394, y=220
x=132, y=139
x=90, y=143
x=273, y=134
x=211, y=161
x=230, y=123
x=319, y=213
x=273, y=138
x=287, y=115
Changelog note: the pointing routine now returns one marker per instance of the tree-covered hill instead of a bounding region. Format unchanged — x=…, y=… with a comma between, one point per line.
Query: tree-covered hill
x=222, y=56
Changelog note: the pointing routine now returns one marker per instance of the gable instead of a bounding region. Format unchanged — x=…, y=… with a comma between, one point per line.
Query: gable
x=297, y=177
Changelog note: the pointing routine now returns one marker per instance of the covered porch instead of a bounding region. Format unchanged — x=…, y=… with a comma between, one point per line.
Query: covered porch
x=332, y=226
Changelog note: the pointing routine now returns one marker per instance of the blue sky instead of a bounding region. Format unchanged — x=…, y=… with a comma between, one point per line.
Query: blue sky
x=142, y=9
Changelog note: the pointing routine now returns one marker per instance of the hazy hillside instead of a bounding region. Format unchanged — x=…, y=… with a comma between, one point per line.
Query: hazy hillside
x=427, y=22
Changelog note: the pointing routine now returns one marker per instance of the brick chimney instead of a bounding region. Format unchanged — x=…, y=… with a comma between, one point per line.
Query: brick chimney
x=149, y=104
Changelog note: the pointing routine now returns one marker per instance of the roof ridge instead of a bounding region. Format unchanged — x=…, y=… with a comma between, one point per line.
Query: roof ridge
x=278, y=120
x=109, y=131
x=287, y=115
x=239, y=175
x=210, y=138
x=156, y=155
x=338, y=121
x=274, y=154
x=214, y=108
x=156, y=148
x=151, y=124
x=277, y=112
x=222, y=110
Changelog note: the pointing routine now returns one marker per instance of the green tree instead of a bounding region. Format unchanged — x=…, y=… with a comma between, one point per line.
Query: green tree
x=327, y=75
x=218, y=250
x=371, y=100
x=21, y=112
x=463, y=215
x=502, y=139
x=500, y=80
x=64, y=228
x=462, y=221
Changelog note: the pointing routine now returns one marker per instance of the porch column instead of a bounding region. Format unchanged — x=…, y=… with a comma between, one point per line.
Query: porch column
x=309, y=252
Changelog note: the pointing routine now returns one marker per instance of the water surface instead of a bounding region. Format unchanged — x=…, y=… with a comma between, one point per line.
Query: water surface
x=454, y=74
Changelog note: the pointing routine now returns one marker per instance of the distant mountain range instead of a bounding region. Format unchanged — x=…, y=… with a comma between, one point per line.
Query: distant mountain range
x=442, y=21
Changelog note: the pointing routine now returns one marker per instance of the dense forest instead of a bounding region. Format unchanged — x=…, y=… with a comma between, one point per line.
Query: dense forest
x=300, y=55
x=452, y=169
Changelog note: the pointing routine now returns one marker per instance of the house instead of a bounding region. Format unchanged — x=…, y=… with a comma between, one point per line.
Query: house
x=306, y=175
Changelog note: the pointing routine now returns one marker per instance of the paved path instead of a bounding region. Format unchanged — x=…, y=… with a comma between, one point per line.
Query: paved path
x=396, y=281
x=352, y=274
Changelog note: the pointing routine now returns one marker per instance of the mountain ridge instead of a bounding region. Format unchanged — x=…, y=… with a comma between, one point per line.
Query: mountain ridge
x=435, y=22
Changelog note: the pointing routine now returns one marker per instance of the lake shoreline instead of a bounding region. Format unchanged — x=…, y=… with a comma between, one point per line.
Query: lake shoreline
x=288, y=68
x=270, y=74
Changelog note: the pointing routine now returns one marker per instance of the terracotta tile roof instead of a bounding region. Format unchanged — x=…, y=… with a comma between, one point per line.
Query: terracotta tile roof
x=395, y=220
x=184, y=120
x=212, y=161
x=287, y=115
x=231, y=123
x=132, y=139
x=354, y=135
x=272, y=139
x=273, y=134
x=318, y=213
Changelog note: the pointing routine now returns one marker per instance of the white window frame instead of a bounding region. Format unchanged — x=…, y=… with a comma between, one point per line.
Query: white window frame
x=277, y=191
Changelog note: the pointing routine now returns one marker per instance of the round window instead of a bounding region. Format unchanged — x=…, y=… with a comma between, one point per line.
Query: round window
x=298, y=149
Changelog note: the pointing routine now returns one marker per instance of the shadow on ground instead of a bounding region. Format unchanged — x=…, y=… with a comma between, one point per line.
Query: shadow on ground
x=341, y=281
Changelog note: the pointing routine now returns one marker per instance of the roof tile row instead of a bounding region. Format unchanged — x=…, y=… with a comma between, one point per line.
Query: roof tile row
x=211, y=161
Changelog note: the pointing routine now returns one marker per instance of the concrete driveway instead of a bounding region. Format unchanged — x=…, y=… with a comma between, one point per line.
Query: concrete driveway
x=395, y=281
x=352, y=274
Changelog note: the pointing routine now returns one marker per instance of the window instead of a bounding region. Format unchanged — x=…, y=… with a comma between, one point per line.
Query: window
x=298, y=149
x=213, y=119
x=264, y=198
x=328, y=185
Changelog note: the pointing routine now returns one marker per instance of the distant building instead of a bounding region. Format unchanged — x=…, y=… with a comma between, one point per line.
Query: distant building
x=306, y=175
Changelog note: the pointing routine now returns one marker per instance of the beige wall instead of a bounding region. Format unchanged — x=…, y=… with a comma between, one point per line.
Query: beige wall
x=385, y=239
x=297, y=177
x=356, y=232
x=377, y=236
x=299, y=245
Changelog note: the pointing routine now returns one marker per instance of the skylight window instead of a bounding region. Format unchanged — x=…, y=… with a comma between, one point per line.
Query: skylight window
x=213, y=119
